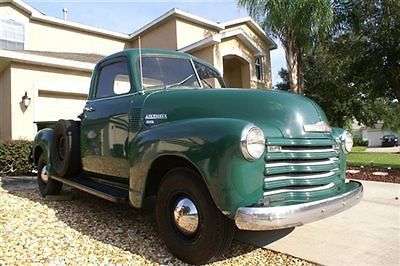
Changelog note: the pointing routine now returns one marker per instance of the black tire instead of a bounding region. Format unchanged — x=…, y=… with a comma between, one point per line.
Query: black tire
x=65, y=148
x=214, y=233
x=47, y=186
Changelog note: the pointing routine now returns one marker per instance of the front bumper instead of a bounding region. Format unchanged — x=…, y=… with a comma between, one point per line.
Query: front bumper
x=270, y=218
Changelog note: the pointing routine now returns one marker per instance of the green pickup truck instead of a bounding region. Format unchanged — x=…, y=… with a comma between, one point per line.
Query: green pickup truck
x=160, y=130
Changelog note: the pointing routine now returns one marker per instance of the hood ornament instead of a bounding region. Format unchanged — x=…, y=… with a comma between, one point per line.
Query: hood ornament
x=318, y=127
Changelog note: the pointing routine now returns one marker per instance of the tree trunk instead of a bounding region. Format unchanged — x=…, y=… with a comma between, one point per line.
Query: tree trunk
x=294, y=64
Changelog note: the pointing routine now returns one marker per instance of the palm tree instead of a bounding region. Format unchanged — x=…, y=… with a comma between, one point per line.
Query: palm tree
x=297, y=24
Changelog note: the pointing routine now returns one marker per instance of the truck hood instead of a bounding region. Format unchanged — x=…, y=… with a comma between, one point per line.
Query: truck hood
x=280, y=114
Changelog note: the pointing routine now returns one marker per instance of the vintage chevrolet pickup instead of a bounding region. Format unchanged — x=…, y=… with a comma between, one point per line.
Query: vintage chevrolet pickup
x=161, y=127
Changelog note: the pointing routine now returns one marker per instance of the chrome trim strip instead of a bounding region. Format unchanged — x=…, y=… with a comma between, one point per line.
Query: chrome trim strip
x=319, y=188
x=310, y=151
x=311, y=163
x=297, y=177
x=271, y=218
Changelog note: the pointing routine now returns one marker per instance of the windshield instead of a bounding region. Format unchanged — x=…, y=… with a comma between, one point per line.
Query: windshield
x=168, y=72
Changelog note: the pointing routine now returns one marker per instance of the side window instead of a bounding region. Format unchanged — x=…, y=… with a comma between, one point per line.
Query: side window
x=113, y=80
x=209, y=78
x=12, y=35
x=259, y=68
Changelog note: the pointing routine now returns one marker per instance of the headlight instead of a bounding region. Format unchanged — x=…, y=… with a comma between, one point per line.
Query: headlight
x=347, y=141
x=252, y=142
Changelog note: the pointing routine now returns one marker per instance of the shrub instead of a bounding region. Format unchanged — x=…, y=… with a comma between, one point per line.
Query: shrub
x=360, y=142
x=14, y=158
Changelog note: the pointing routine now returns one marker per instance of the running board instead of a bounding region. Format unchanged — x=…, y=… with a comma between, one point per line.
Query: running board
x=109, y=193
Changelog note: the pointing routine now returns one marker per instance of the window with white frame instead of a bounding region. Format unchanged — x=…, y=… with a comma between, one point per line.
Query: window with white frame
x=259, y=68
x=12, y=34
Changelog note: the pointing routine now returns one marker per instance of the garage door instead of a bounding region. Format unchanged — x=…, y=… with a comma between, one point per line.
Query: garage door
x=56, y=101
x=374, y=138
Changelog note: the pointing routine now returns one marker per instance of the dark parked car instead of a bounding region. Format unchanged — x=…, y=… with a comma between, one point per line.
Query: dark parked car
x=390, y=141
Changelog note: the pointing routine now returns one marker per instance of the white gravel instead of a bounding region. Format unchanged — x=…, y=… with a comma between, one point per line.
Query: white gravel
x=89, y=231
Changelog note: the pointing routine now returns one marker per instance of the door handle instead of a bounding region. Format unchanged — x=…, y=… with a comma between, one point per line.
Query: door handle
x=89, y=109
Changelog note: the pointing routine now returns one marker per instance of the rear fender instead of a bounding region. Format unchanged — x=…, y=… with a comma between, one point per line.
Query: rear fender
x=42, y=144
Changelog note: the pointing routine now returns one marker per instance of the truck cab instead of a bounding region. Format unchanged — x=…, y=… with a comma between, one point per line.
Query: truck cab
x=162, y=125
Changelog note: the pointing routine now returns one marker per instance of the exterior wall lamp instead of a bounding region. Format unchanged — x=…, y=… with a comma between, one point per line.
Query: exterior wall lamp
x=26, y=101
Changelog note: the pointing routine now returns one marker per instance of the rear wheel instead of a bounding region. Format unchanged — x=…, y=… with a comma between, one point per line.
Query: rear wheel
x=189, y=222
x=47, y=185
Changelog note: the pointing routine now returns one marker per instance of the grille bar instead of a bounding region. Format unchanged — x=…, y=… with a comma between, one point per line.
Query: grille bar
x=299, y=176
x=301, y=142
x=289, y=149
x=302, y=179
x=274, y=156
x=302, y=163
x=303, y=190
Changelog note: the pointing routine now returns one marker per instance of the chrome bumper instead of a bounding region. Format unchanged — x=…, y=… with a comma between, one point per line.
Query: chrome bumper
x=270, y=218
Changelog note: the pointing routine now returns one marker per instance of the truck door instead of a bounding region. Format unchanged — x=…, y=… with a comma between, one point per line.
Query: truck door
x=105, y=122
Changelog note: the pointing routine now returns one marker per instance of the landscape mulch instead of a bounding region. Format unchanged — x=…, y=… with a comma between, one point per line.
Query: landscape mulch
x=366, y=173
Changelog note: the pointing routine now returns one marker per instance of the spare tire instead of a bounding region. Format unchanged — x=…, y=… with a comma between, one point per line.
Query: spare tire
x=65, y=149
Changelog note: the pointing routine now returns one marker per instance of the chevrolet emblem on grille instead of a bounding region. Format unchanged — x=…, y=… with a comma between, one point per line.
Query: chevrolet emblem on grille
x=318, y=127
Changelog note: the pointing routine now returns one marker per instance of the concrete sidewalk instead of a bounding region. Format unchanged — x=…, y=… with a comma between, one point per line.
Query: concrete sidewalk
x=383, y=149
x=367, y=234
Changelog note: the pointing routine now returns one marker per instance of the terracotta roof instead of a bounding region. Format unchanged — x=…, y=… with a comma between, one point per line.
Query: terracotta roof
x=81, y=57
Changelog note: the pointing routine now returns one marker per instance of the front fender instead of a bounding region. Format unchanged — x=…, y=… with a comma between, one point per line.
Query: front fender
x=212, y=145
x=41, y=144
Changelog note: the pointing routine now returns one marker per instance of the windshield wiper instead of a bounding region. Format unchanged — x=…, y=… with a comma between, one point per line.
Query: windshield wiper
x=178, y=83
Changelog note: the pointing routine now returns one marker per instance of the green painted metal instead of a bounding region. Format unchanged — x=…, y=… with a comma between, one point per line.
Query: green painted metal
x=203, y=126
x=301, y=182
x=42, y=141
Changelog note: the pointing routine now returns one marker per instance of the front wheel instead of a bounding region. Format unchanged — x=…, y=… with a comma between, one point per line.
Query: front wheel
x=47, y=185
x=189, y=222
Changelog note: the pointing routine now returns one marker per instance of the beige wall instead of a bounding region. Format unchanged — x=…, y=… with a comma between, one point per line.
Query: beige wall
x=259, y=40
x=5, y=104
x=207, y=54
x=161, y=37
x=189, y=33
x=9, y=11
x=47, y=101
x=42, y=36
x=234, y=46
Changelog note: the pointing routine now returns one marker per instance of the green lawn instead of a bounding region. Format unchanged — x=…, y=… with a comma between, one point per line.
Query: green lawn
x=358, y=148
x=380, y=159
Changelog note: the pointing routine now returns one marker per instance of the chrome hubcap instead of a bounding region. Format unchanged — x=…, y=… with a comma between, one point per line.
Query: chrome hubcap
x=43, y=174
x=186, y=216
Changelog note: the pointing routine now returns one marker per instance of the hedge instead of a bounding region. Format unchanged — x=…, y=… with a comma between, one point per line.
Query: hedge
x=360, y=142
x=14, y=158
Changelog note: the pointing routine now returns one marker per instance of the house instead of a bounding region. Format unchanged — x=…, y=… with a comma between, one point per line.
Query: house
x=374, y=134
x=46, y=63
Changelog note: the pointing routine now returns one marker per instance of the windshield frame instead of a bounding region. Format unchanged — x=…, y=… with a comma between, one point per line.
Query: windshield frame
x=191, y=60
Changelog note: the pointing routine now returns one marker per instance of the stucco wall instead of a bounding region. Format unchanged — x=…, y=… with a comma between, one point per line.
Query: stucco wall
x=42, y=36
x=53, y=93
x=8, y=11
x=207, y=54
x=161, y=37
x=189, y=33
x=5, y=104
x=234, y=46
x=60, y=39
x=259, y=40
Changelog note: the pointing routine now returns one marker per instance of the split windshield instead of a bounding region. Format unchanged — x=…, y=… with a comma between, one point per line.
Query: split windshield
x=168, y=72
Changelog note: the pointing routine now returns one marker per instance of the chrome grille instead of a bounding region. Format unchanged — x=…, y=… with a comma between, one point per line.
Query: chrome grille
x=300, y=168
